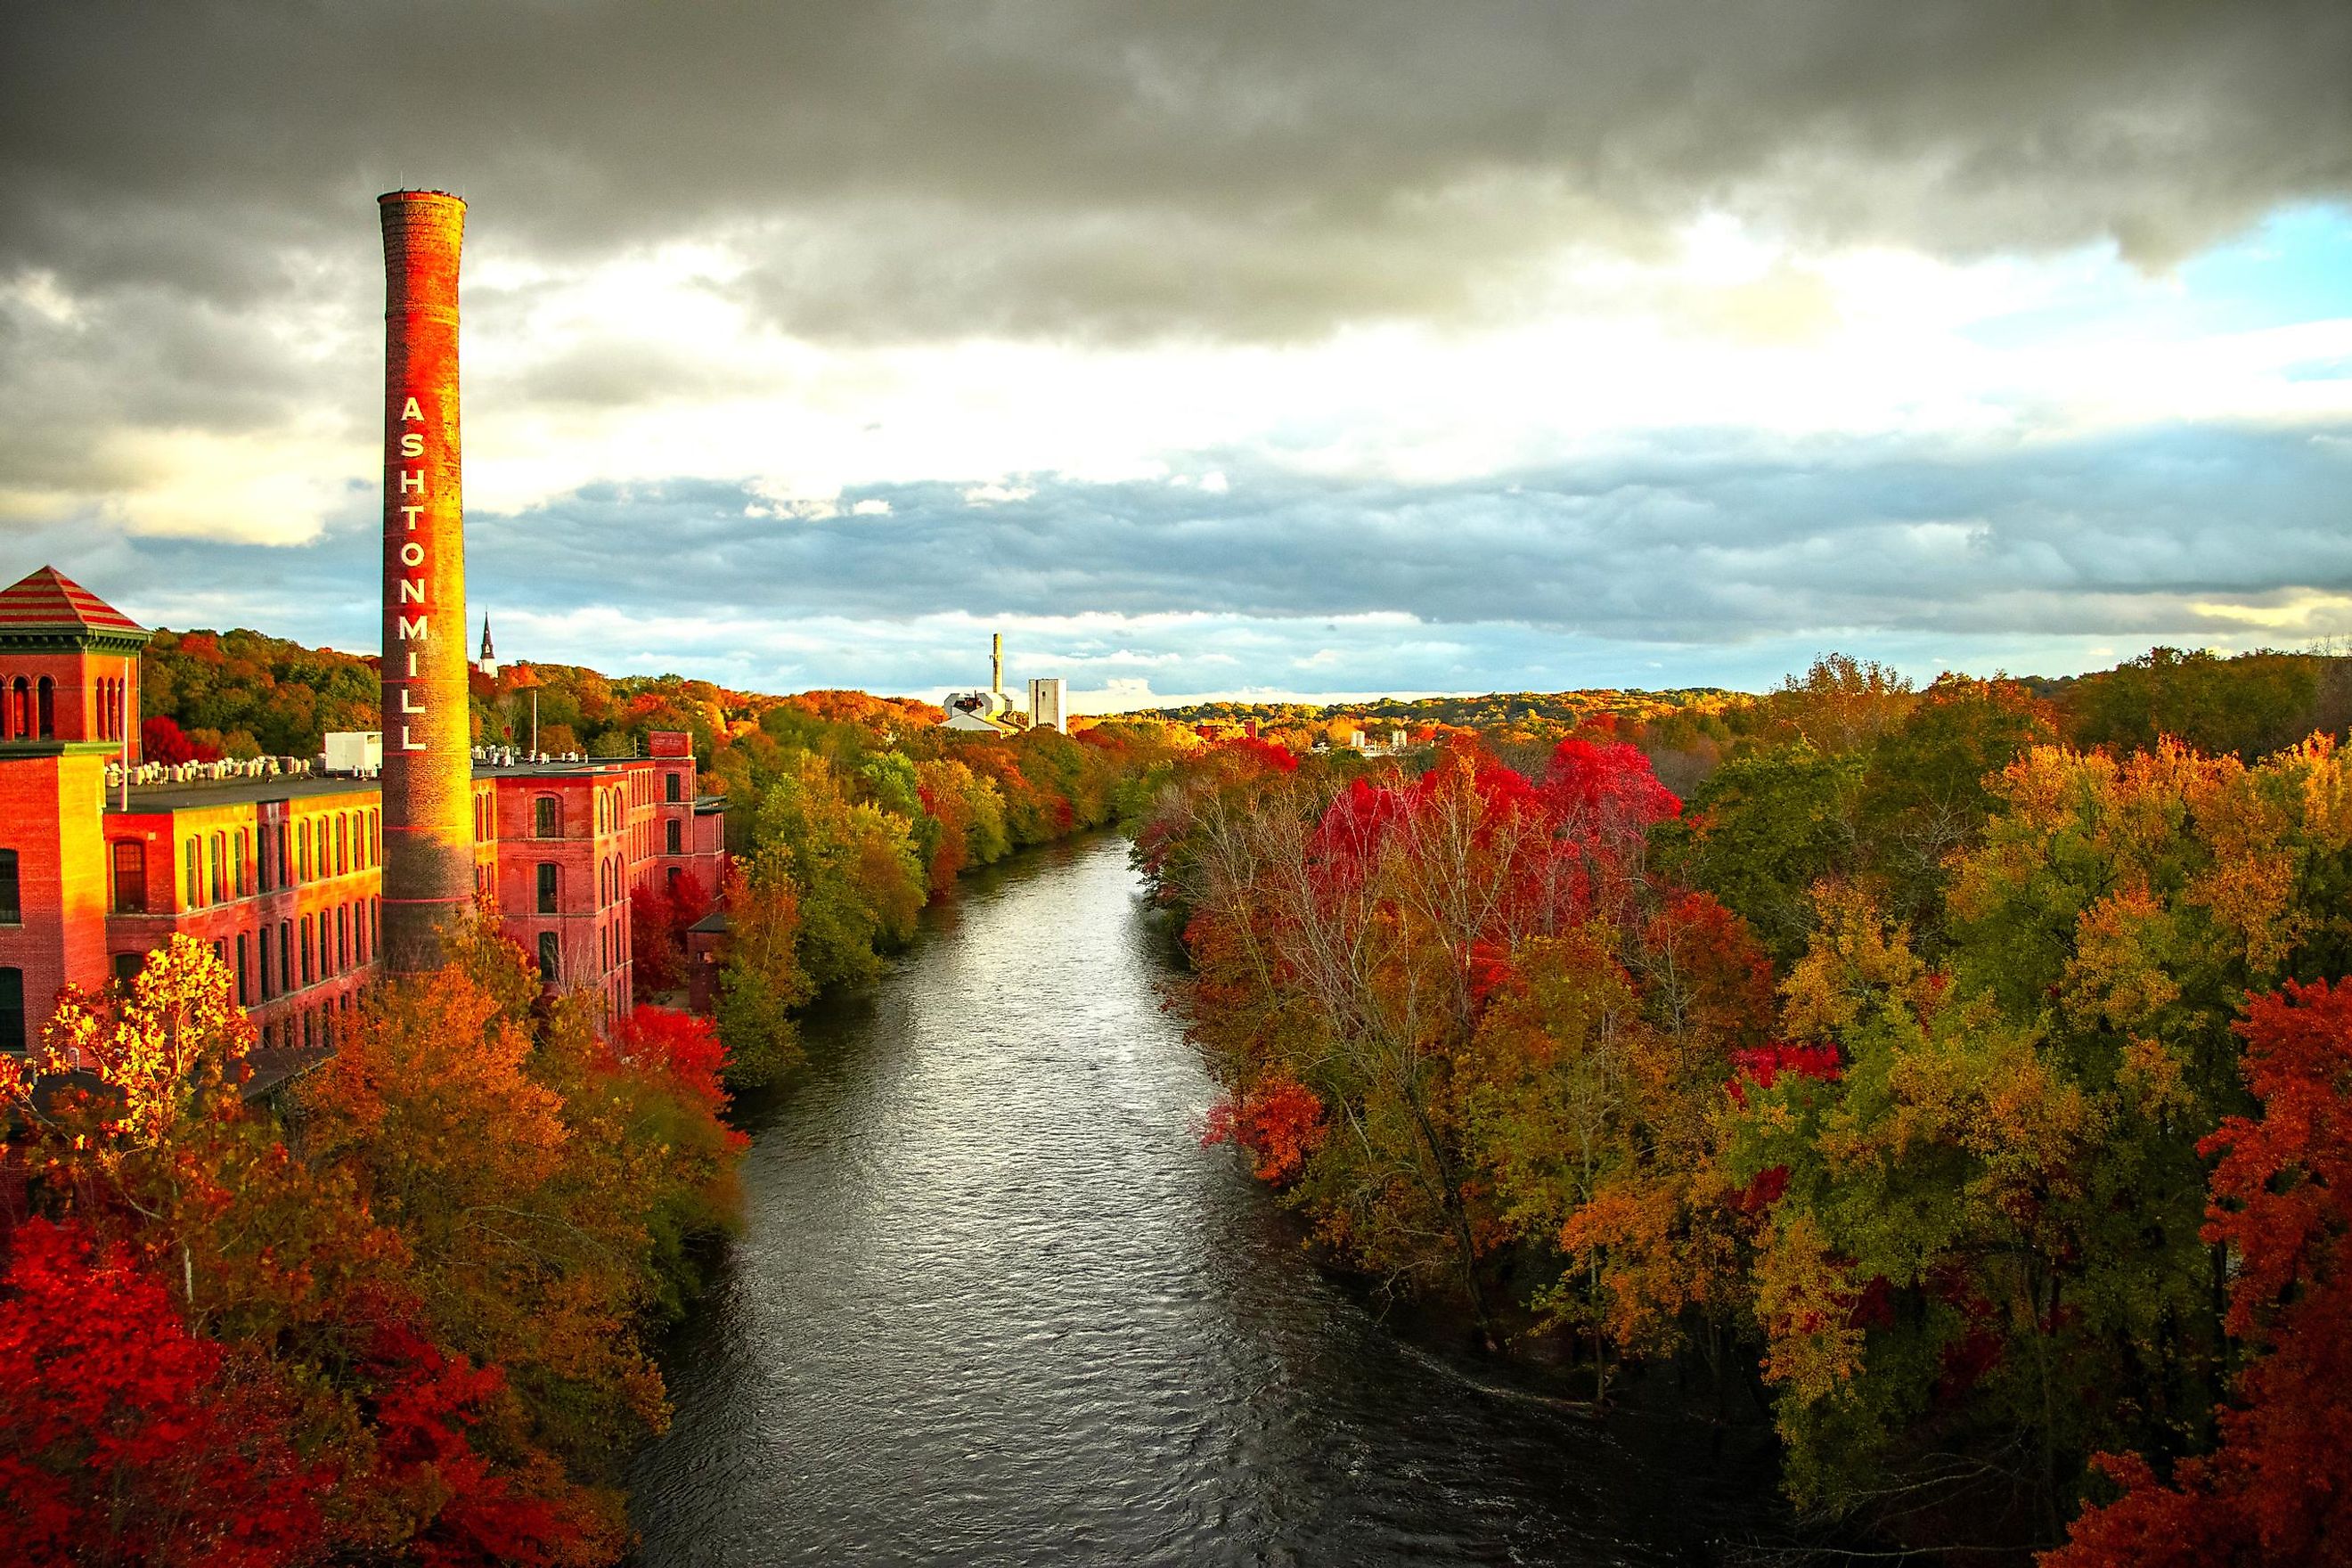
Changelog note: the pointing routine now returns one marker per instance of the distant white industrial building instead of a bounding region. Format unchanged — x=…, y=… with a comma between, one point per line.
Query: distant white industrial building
x=1049, y=702
x=991, y=713
x=988, y=712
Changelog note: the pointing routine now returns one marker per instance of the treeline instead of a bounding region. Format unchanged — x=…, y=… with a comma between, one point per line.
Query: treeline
x=399, y=1313
x=242, y=694
x=1981, y=1098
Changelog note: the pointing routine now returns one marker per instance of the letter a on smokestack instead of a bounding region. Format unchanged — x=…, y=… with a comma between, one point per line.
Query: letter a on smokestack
x=428, y=840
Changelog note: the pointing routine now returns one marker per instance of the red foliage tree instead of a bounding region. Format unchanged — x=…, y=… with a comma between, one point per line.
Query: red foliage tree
x=426, y=1400
x=2278, y=1488
x=1280, y=1121
x=162, y=740
x=685, y=1048
x=122, y=1437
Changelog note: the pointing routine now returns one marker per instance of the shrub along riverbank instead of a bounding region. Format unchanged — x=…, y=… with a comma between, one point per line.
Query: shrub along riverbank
x=1981, y=1098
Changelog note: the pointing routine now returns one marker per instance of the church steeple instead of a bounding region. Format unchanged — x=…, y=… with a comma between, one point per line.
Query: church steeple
x=488, y=663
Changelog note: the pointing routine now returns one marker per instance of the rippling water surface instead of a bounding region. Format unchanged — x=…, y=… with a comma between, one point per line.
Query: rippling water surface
x=995, y=1304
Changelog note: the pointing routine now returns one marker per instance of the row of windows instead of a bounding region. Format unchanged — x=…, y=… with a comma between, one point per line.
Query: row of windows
x=30, y=712
x=308, y=949
x=317, y=1026
x=28, y=709
x=218, y=866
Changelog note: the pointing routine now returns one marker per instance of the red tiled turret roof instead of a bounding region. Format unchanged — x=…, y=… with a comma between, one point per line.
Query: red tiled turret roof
x=48, y=600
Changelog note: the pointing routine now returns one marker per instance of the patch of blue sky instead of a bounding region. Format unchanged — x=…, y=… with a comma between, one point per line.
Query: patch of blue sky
x=2293, y=267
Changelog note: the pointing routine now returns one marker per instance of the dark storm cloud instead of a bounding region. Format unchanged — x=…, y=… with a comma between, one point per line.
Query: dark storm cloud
x=1234, y=170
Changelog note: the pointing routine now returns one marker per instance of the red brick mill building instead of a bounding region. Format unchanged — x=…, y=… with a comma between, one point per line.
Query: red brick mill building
x=283, y=874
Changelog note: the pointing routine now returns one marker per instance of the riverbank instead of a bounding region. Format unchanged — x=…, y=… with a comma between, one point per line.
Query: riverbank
x=992, y=1302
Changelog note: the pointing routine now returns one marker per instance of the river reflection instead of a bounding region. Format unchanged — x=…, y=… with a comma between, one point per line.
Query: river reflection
x=995, y=1304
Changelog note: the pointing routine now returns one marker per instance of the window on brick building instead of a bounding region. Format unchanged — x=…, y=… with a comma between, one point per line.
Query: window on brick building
x=547, y=818
x=244, y=990
x=127, y=966
x=549, y=970
x=286, y=955
x=547, y=874
x=674, y=786
x=23, y=728
x=12, y=1009
x=305, y=952
x=301, y=851
x=237, y=867
x=130, y=876
x=342, y=848
x=196, y=873
x=266, y=976
x=12, y=904
x=220, y=878
x=344, y=937
x=49, y=700
x=670, y=881
x=676, y=832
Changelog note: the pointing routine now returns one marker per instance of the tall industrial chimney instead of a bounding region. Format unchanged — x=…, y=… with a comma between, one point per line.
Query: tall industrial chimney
x=996, y=662
x=428, y=840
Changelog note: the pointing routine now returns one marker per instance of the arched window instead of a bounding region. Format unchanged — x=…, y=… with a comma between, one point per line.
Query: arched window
x=547, y=817
x=195, y=894
x=302, y=851
x=344, y=937
x=237, y=867
x=343, y=846
x=48, y=698
x=23, y=691
x=675, y=831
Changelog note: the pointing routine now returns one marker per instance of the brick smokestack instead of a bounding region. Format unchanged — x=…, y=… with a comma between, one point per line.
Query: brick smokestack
x=428, y=838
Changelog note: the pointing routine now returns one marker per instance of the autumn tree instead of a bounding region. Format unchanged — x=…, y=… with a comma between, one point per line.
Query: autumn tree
x=2277, y=1487
x=126, y=1439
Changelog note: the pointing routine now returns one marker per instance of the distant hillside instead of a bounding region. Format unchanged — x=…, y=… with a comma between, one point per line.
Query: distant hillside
x=242, y=693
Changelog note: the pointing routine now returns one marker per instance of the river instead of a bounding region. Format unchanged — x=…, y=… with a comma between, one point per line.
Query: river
x=995, y=1303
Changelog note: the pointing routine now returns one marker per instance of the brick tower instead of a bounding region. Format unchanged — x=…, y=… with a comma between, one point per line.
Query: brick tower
x=68, y=705
x=428, y=850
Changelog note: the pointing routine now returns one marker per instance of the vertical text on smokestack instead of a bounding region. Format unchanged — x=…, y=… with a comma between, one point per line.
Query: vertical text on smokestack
x=417, y=627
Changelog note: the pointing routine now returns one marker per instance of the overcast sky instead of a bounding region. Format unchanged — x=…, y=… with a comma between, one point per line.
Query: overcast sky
x=1208, y=348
